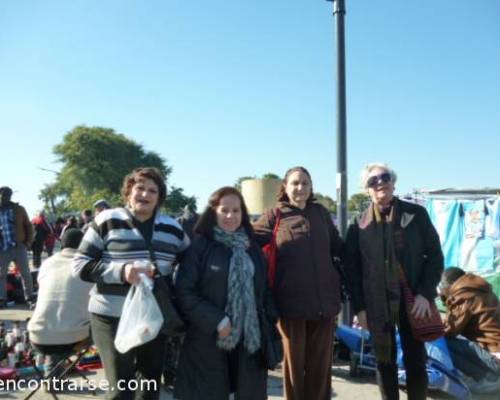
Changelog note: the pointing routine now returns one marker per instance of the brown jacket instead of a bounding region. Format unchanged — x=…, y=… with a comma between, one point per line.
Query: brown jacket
x=24, y=230
x=307, y=283
x=473, y=311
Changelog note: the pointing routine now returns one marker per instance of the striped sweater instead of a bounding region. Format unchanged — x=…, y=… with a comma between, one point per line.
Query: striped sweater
x=111, y=241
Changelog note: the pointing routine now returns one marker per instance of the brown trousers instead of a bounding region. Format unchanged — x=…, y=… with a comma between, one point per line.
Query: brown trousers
x=308, y=347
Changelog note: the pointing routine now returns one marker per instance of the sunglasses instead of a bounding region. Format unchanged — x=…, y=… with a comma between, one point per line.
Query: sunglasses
x=378, y=179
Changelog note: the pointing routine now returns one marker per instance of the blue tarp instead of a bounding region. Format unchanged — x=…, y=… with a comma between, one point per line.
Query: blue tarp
x=440, y=371
x=469, y=230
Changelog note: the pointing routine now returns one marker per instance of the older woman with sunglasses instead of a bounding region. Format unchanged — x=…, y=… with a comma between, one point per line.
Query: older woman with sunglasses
x=392, y=237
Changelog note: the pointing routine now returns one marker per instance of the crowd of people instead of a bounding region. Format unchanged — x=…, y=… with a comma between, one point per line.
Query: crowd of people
x=218, y=280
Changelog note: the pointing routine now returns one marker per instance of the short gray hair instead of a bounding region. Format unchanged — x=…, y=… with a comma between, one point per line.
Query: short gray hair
x=368, y=168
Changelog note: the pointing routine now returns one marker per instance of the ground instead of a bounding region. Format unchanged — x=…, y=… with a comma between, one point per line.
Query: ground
x=344, y=386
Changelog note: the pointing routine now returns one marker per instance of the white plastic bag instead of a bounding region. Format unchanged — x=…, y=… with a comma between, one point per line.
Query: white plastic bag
x=141, y=317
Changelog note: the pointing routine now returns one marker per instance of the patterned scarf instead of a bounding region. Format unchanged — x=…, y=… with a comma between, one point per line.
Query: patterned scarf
x=384, y=286
x=240, y=307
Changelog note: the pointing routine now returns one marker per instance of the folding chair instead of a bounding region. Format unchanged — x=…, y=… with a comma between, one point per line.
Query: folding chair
x=72, y=360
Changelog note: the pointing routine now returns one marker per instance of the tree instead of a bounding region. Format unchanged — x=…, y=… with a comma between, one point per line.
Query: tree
x=94, y=162
x=268, y=175
x=358, y=203
x=326, y=201
x=176, y=200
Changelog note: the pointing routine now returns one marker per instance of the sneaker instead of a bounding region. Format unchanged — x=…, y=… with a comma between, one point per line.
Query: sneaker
x=31, y=302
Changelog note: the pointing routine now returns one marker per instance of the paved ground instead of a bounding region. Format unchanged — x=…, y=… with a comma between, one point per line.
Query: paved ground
x=363, y=388
x=344, y=386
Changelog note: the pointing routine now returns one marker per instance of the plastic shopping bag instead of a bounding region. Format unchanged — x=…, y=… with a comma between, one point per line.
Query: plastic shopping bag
x=141, y=317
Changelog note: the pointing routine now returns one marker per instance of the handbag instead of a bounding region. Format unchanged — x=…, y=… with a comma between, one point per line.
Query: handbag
x=270, y=251
x=164, y=295
x=424, y=329
x=271, y=345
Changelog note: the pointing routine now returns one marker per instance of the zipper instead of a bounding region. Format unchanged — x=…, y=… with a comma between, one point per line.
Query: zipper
x=315, y=269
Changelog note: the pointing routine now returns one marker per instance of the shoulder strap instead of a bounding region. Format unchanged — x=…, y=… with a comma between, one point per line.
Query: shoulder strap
x=277, y=221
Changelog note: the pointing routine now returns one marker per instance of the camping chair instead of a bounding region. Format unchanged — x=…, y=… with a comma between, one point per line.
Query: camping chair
x=68, y=364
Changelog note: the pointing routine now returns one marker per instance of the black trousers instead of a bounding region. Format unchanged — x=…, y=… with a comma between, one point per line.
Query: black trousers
x=37, y=248
x=414, y=359
x=138, y=367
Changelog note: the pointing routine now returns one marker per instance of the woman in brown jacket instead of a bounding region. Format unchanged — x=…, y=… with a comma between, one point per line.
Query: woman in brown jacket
x=307, y=286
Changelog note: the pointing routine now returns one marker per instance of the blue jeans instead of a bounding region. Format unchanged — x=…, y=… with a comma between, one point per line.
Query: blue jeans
x=472, y=359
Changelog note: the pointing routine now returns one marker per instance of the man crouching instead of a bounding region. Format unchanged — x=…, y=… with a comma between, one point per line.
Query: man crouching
x=472, y=328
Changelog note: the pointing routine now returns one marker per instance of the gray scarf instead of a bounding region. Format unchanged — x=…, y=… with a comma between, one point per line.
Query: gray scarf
x=240, y=306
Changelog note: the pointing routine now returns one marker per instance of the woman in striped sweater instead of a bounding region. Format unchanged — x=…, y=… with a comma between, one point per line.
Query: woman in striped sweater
x=112, y=255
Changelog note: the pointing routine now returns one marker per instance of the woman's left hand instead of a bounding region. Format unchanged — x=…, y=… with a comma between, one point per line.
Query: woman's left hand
x=421, y=307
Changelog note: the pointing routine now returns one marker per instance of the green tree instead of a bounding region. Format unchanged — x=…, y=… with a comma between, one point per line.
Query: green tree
x=94, y=162
x=358, y=203
x=176, y=200
x=327, y=202
x=270, y=175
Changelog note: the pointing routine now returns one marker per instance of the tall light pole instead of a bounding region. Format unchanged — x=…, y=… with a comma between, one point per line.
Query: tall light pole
x=341, y=181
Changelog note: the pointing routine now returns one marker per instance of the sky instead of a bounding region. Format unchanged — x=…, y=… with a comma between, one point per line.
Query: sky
x=224, y=89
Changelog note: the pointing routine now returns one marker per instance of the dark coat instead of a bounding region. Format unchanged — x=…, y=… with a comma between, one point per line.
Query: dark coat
x=421, y=256
x=201, y=291
x=307, y=283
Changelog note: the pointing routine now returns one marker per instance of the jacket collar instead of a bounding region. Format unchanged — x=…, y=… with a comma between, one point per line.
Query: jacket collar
x=401, y=217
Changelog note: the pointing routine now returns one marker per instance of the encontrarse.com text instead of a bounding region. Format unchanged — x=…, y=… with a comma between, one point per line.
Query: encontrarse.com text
x=70, y=385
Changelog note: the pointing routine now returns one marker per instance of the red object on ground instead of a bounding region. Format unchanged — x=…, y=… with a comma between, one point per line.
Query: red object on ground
x=89, y=366
x=8, y=373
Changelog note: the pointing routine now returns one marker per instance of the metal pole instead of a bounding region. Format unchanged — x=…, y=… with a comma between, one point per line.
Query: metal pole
x=339, y=15
x=341, y=181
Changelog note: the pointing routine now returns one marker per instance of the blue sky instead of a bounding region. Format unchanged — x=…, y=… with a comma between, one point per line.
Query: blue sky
x=224, y=89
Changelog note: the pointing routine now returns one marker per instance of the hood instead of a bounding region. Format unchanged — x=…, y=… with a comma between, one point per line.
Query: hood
x=469, y=286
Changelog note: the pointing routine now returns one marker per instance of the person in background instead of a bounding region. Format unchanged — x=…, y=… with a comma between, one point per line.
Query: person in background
x=100, y=205
x=16, y=236
x=85, y=219
x=60, y=319
x=58, y=226
x=221, y=288
x=472, y=328
x=50, y=240
x=389, y=237
x=307, y=286
x=188, y=219
x=42, y=231
x=120, y=244
x=71, y=222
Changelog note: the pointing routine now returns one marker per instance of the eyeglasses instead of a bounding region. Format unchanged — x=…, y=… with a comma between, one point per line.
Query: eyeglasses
x=378, y=179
